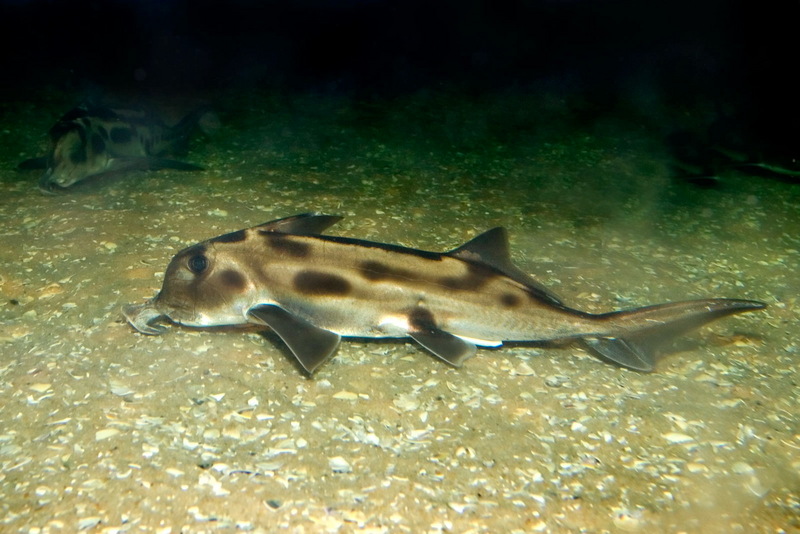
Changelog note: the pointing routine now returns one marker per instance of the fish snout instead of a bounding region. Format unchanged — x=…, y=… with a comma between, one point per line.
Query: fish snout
x=57, y=178
x=142, y=317
x=46, y=183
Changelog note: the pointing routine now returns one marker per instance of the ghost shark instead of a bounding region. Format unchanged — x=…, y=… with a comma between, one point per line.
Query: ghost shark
x=90, y=141
x=312, y=289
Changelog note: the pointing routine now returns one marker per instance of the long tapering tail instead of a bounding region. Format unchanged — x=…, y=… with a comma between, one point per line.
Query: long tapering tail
x=639, y=333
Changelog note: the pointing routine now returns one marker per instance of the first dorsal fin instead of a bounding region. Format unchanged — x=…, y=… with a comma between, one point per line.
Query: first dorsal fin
x=491, y=248
x=303, y=224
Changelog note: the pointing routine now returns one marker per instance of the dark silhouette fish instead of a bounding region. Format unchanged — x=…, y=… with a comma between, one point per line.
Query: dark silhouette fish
x=91, y=141
x=311, y=289
x=733, y=143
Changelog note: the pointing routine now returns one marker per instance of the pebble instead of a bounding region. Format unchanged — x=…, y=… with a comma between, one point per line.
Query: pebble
x=340, y=465
x=743, y=468
x=345, y=395
x=677, y=437
x=105, y=433
x=555, y=381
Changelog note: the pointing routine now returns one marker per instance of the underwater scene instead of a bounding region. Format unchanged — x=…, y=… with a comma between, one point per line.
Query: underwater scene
x=253, y=280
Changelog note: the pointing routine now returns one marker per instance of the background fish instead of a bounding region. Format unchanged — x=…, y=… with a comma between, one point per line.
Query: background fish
x=91, y=141
x=732, y=143
x=312, y=289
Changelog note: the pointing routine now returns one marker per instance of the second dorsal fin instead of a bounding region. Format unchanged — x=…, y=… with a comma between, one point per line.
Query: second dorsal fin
x=491, y=248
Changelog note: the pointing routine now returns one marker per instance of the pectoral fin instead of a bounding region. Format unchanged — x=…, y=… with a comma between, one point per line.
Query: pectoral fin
x=311, y=345
x=450, y=348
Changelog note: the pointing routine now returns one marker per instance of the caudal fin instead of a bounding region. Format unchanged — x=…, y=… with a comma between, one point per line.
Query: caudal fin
x=641, y=332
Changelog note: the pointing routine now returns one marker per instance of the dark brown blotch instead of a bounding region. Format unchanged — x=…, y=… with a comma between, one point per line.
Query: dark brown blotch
x=510, y=300
x=421, y=320
x=476, y=277
x=232, y=280
x=98, y=145
x=232, y=237
x=376, y=271
x=286, y=245
x=317, y=283
x=77, y=154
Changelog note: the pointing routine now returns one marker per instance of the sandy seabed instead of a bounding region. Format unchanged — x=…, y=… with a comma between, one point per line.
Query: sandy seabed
x=103, y=429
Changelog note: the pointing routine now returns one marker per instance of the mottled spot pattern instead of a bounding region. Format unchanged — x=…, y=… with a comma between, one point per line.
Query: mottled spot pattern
x=316, y=283
x=509, y=300
x=98, y=145
x=286, y=245
x=476, y=277
x=233, y=280
x=77, y=153
x=421, y=320
x=376, y=271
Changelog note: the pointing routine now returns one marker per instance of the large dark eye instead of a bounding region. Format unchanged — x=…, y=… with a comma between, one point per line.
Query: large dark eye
x=198, y=263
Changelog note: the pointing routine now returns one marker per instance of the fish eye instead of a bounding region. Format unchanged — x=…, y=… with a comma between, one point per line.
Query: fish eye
x=198, y=263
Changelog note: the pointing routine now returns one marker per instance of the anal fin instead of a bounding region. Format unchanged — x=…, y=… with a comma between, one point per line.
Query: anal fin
x=621, y=351
x=310, y=344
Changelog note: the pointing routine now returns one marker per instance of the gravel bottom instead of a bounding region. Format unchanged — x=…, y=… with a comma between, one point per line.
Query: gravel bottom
x=106, y=430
